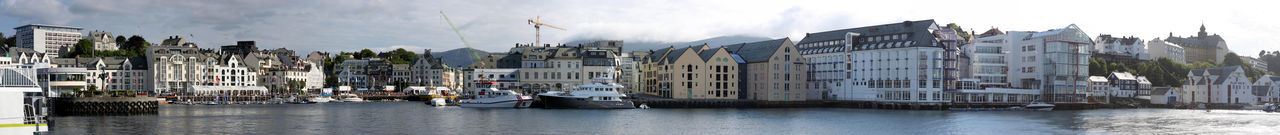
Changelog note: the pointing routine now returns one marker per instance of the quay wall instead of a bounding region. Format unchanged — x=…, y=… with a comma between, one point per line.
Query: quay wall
x=104, y=106
x=697, y=103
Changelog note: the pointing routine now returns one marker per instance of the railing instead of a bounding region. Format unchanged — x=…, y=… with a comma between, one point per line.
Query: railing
x=18, y=77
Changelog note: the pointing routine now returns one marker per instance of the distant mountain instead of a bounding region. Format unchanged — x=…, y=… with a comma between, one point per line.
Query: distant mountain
x=461, y=57
x=654, y=45
x=458, y=57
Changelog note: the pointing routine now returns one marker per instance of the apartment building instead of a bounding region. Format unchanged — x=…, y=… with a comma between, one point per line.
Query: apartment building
x=772, y=70
x=1164, y=49
x=52, y=40
x=912, y=61
x=695, y=72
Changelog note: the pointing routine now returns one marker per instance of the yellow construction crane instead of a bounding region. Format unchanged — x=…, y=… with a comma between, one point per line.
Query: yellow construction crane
x=537, y=28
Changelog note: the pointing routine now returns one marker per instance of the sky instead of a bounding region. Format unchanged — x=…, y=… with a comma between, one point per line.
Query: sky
x=496, y=25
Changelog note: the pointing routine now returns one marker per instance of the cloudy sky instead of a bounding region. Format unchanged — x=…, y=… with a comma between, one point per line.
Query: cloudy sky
x=495, y=25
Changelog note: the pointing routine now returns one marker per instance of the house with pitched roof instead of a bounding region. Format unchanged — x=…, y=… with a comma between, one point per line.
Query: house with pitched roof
x=694, y=72
x=772, y=70
x=912, y=61
x=1220, y=85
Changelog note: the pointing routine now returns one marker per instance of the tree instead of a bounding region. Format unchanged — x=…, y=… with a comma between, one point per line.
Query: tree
x=401, y=56
x=364, y=54
x=1231, y=59
x=959, y=31
x=11, y=41
x=120, y=40
x=83, y=49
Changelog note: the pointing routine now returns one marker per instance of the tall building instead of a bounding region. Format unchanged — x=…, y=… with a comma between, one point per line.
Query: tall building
x=695, y=72
x=1164, y=49
x=912, y=61
x=175, y=66
x=52, y=40
x=629, y=68
x=429, y=70
x=987, y=59
x=1221, y=85
x=772, y=70
x=1055, y=61
x=1202, y=47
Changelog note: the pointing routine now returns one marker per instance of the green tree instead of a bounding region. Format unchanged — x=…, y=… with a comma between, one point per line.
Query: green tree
x=11, y=41
x=83, y=49
x=120, y=40
x=364, y=54
x=401, y=56
x=959, y=31
x=1231, y=59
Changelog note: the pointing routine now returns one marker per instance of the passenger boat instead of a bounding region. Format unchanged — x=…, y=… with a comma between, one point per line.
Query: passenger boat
x=348, y=97
x=601, y=93
x=21, y=109
x=320, y=99
x=1039, y=106
x=489, y=96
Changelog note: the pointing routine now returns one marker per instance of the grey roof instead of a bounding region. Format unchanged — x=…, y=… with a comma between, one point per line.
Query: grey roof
x=757, y=51
x=1261, y=90
x=1221, y=72
x=1207, y=41
x=1143, y=80
x=1160, y=90
x=917, y=33
x=1123, y=76
x=675, y=54
x=706, y=55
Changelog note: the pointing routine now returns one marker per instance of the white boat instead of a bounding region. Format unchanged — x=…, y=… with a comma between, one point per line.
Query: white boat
x=350, y=98
x=1039, y=106
x=22, y=108
x=489, y=96
x=601, y=93
x=438, y=102
x=319, y=99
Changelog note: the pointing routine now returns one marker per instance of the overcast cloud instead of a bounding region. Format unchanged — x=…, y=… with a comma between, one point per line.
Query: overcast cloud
x=495, y=25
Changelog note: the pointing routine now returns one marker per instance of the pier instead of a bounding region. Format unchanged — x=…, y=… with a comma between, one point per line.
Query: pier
x=104, y=106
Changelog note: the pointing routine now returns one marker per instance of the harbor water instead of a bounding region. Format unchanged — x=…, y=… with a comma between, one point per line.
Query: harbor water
x=418, y=118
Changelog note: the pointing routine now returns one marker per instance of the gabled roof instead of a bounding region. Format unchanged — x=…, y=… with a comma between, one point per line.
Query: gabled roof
x=1160, y=90
x=917, y=34
x=675, y=54
x=757, y=51
x=1123, y=76
x=706, y=55
x=1143, y=80
x=1097, y=79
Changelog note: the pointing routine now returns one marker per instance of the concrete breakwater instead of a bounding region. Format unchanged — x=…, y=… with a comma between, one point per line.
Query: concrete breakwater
x=104, y=106
x=680, y=103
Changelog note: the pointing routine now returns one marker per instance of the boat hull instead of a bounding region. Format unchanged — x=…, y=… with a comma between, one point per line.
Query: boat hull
x=1040, y=108
x=521, y=103
x=557, y=102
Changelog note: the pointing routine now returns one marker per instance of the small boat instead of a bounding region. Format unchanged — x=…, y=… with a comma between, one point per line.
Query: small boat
x=1039, y=106
x=350, y=98
x=602, y=93
x=489, y=96
x=1270, y=107
x=319, y=99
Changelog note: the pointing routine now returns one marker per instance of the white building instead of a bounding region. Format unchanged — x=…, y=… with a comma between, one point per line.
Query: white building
x=987, y=59
x=63, y=81
x=1099, y=86
x=1055, y=61
x=174, y=66
x=913, y=61
x=1165, y=49
x=1164, y=95
x=1255, y=62
x=1266, y=89
x=118, y=73
x=103, y=41
x=1125, y=84
x=52, y=40
x=1221, y=85
x=1129, y=47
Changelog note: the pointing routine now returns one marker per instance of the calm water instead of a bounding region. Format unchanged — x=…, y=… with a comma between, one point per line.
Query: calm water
x=417, y=118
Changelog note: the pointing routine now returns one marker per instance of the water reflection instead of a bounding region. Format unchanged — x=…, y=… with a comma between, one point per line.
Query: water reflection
x=417, y=118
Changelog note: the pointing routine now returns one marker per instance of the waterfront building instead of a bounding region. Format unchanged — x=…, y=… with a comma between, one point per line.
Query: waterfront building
x=1099, y=86
x=226, y=75
x=1054, y=61
x=63, y=81
x=1221, y=85
x=429, y=70
x=1164, y=95
x=969, y=91
x=175, y=65
x=1120, y=49
x=371, y=73
x=401, y=75
x=629, y=68
x=117, y=73
x=987, y=60
x=1202, y=47
x=503, y=68
x=1125, y=84
x=912, y=61
x=694, y=72
x=772, y=70
x=103, y=41
x=1266, y=89
x=52, y=40
x=1164, y=49
x=549, y=68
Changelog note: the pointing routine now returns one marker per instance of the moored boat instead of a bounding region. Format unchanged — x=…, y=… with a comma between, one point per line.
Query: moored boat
x=1039, y=106
x=489, y=96
x=600, y=94
x=348, y=97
